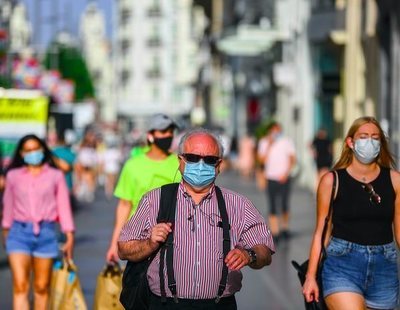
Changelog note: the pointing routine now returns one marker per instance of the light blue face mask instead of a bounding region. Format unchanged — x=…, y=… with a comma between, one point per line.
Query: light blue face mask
x=34, y=158
x=199, y=174
x=366, y=150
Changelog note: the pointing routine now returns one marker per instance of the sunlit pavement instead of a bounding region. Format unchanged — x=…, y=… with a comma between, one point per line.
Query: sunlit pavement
x=274, y=287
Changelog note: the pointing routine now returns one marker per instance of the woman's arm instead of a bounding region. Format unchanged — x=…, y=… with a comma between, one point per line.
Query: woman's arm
x=395, y=176
x=310, y=287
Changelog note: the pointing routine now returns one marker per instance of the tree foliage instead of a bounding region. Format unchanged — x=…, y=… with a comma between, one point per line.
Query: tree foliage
x=69, y=62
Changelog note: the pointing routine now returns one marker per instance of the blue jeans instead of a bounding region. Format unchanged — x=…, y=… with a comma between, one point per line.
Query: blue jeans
x=370, y=271
x=21, y=239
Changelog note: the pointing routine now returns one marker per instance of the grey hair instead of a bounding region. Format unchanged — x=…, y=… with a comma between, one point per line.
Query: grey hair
x=200, y=130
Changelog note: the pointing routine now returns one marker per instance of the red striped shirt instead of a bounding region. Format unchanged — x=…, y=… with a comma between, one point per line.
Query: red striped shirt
x=198, y=255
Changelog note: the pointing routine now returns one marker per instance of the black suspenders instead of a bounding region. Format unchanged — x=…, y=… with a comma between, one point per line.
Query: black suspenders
x=168, y=202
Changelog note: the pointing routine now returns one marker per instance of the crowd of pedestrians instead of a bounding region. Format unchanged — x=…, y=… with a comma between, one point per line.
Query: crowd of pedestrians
x=43, y=186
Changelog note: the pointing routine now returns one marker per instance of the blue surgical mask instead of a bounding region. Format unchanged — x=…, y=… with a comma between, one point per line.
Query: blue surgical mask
x=199, y=174
x=34, y=158
x=366, y=150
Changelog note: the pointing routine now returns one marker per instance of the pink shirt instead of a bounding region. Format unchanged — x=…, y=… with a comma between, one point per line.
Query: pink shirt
x=36, y=198
x=278, y=161
x=198, y=255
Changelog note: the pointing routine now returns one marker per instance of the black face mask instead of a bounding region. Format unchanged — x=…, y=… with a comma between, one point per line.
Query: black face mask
x=163, y=143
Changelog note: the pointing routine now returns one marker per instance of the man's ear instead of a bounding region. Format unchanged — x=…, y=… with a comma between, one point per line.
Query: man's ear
x=150, y=138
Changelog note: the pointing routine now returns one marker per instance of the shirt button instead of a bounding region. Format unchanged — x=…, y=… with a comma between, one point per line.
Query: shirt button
x=198, y=225
x=198, y=263
x=198, y=243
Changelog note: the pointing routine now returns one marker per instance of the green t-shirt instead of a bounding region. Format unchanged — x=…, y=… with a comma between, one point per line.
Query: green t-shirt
x=141, y=174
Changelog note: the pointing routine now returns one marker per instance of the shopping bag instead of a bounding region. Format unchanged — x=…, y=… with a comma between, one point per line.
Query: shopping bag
x=65, y=288
x=108, y=288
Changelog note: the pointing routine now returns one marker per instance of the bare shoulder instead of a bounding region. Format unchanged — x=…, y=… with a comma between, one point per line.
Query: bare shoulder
x=395, y=176
x=327, y=180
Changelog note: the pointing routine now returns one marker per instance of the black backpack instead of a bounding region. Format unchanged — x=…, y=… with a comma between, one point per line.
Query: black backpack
x=135, y=294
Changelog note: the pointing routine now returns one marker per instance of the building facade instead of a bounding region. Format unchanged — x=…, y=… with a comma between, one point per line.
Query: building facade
x=154, y=54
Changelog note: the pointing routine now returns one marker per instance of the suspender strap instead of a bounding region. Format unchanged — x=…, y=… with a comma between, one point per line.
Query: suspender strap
x=169, y=247
x=168, y=201
x=167, y=214
x=226, y=243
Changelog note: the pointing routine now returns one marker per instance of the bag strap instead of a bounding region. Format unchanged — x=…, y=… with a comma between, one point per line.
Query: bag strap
x=226, y=242
x=329, y=215
x=167, y=214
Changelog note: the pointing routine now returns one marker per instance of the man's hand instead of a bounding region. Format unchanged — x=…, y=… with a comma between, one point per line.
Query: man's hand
x=237, y=259
x=160, y=232
x=137, y=250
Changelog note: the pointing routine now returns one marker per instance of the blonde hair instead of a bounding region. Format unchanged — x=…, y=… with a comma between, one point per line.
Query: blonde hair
x=384, y=159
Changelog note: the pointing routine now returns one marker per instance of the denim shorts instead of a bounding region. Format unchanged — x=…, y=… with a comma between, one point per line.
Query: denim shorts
x=21, y=239
x=367, y=270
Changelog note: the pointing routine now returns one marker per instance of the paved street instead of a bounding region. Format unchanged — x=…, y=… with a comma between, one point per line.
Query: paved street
x=275, y=287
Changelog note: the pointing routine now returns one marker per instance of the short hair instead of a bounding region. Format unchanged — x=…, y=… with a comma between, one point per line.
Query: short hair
x=200, y=130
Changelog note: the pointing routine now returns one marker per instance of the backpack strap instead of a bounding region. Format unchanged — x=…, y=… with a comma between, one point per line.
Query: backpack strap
x=168, y=201
x=167, y=214
x=226, y=243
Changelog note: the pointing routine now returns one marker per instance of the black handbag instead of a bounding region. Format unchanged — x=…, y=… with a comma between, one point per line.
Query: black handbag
x=302, y=268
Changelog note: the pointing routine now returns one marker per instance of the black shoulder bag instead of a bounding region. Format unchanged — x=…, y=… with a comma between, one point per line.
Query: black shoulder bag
x=135, y=294
x=302, y=269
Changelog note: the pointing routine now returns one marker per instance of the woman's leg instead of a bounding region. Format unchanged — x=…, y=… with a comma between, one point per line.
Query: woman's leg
x=272, y=194
x=345, y=301
x=42, y=268
x=20, y=265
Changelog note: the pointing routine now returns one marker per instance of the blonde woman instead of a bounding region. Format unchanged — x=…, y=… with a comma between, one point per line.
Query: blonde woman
x=360, y=270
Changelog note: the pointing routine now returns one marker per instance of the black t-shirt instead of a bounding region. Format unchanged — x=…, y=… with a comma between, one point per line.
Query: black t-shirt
x=323, y=152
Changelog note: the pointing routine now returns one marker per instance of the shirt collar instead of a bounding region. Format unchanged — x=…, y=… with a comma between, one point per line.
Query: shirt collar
x=185, y=194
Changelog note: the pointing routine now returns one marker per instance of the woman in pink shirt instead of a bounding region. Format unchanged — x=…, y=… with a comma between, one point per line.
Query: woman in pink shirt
x=35, y=197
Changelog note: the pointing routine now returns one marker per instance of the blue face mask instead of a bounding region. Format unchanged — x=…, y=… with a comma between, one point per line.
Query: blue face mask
x=34, y=158
x=366, y=150
x=199, y=174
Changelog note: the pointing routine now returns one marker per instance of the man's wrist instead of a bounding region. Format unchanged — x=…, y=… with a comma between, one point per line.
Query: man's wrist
x=252, y=256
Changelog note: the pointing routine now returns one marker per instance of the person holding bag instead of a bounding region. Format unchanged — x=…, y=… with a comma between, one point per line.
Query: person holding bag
x=360, y=269
x=35, y=197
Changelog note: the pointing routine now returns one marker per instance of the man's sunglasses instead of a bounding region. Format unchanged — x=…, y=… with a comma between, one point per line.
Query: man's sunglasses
x=373, y=196
x=208, y=159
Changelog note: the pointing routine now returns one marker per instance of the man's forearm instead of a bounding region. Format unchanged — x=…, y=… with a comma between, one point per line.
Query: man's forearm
x=263, y=257
x=136, y=250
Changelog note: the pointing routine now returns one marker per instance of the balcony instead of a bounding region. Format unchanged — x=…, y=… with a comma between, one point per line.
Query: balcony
x=124, y=16
x=154, y=42
x=154, y=73
x=154, y=11
x=124, y=76
x=124, y=46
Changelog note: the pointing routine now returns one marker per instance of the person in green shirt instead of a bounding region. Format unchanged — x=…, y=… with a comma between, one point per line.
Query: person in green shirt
x=144, y=172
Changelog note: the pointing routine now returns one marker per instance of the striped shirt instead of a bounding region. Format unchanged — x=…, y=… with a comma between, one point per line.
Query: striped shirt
x=198, y=254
